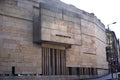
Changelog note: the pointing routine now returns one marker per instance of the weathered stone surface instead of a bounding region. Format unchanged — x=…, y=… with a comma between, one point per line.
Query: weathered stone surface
x=87, y=27
x=54, y=26
x=73, y=19
x=8, y=9
x=16, y=46
x=81, y=29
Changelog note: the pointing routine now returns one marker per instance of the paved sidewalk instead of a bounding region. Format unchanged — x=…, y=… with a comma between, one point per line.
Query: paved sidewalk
x=107, y=77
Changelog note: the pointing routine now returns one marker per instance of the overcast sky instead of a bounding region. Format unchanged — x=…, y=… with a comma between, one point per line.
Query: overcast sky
x=106, y=10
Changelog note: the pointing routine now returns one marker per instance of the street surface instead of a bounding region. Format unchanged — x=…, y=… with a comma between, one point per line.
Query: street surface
x=107, y=77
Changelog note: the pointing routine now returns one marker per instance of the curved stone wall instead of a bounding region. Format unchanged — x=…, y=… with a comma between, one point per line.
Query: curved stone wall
x=17, y=17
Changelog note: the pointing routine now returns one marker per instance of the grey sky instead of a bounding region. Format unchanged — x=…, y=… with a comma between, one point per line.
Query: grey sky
x=106, y=10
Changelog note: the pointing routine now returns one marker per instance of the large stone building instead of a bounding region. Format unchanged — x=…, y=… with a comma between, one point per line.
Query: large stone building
x=112, y=51
x=49, y=37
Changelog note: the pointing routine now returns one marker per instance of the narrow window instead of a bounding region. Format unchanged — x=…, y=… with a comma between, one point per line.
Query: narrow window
x=70, y=70
x=13, y=70
x=78, y=70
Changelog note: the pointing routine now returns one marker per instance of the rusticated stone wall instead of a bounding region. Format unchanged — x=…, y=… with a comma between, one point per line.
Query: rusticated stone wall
x=84, y=32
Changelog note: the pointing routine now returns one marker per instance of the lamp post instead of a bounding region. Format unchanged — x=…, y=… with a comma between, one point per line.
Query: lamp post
x=111, y=57
x=110, y=24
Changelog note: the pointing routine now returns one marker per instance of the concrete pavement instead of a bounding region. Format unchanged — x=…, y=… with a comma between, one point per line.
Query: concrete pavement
x=107, y=77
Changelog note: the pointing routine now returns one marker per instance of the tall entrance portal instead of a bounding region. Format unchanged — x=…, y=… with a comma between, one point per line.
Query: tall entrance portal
x=53, y=61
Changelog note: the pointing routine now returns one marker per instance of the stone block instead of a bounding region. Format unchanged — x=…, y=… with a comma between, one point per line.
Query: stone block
x=47, y=18
x=51, y=8
x=89, y=44
x=25, y=4
x=46, y=37
x=16, y=32
x=54, y=26
x=51, y=13
x=5, y=70
x=78, y=37
x=47, y=21
x=77, y=26
x=5, y=53
x=22, y=24
x=13, y=2
x=71, y=28
x=78, y=31
x=72, y=19
x=9, y=46
x=101, y=35
x=16, y=12
x=88, y=31
x=45, y=30
x=70, y=14
x=25, y=70
x=78, y=42
x=1, y=20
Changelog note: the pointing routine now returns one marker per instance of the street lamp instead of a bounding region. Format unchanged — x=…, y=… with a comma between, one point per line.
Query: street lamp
x=110, y=24
x=111, y=58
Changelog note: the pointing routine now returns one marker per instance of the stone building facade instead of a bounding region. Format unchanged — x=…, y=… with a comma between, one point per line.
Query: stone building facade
x=112, y=51
x=49, y=37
